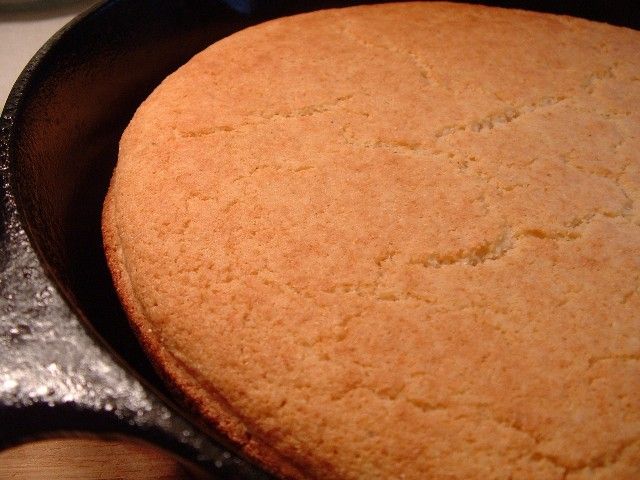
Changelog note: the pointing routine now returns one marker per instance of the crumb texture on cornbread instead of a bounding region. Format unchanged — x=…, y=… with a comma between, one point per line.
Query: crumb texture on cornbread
x=396, y=241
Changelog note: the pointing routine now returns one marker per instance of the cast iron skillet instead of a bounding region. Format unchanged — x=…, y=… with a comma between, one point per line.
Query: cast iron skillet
x=68, y=360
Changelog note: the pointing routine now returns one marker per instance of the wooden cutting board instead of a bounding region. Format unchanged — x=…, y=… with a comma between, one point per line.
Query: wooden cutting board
x=88, y=459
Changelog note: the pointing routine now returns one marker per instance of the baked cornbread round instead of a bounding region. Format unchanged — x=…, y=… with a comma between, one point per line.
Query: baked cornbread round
x=396, y=242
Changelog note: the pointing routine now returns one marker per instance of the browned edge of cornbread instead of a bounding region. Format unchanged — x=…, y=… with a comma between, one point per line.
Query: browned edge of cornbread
x=182, y=384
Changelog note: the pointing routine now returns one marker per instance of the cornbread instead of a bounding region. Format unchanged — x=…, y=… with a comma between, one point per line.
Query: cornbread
x=396, y=241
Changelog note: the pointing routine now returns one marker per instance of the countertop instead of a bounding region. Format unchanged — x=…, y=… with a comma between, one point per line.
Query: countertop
x=24, y=28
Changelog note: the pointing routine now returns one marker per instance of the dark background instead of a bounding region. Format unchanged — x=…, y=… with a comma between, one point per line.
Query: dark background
x=621, y=12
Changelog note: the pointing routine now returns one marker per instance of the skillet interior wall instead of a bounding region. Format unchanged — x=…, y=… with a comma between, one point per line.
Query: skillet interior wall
x=73, y=111
x=81, y=98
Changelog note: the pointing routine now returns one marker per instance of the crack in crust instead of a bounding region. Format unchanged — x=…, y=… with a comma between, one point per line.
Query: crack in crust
x=486, y=251
x=261, y=118
x=502, y=117
x=601, y=462
x=425, y=70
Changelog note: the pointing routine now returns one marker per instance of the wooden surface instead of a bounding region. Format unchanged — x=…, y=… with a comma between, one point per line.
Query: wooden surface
x=88, y=459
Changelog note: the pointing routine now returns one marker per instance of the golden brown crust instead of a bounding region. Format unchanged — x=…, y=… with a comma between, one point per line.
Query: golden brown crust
x=416, y=256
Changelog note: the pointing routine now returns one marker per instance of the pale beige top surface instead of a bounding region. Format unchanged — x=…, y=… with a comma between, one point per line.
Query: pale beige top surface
x=401, y=241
